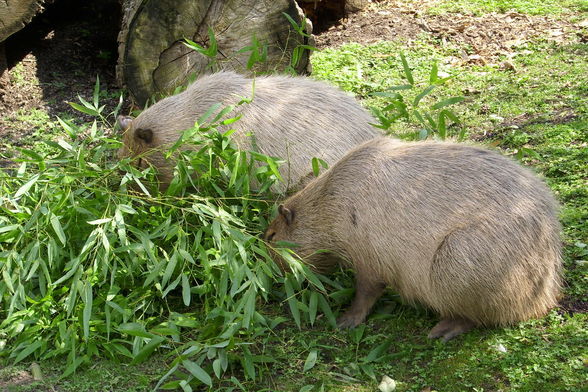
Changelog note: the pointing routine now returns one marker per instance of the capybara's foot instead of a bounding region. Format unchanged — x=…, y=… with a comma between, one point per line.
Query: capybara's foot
x=449, y=328
x=351, y=319
x=367, y=293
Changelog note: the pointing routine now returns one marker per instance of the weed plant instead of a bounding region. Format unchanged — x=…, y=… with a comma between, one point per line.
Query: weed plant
x=97, y=262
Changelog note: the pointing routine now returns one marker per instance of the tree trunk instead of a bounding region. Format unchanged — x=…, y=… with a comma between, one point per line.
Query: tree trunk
x=15, y=14
x=153, y=58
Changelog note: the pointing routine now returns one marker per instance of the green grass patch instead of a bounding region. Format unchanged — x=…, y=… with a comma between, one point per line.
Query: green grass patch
x=530, y=7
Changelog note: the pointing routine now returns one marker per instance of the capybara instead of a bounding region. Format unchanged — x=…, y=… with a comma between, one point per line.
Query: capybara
x=294, y=118
x=461, y=229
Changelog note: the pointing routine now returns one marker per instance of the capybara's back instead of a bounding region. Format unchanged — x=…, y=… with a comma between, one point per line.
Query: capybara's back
x=464, y=230
x=295, y=118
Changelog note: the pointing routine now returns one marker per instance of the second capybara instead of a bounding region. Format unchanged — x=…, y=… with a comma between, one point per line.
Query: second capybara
x=463, y=230
x=294, y=118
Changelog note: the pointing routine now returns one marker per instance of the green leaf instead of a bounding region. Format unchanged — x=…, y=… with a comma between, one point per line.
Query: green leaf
x=324, y=306
x=213, y=108
x=377, y=352
x=447, y=102
x=67, y=127
x=58, y=229
x=407, y=71
x=315, y=167
x=249, y=308
x=99, y=221
x=186, y=295
x=274, y=168
x=247, y=361
x=5, y=229
x=169, y=269
x=87, y=298
x=297, y=28
x=73, y=365
x=134, y=329
x=312, y=307
x=423, y=93
x=25, y=188
x=197, y=372
x=394, y=88
x=83, y=109
x=28, y=351
x=292, y=302
x=310, y=360
x=146, y=351
x=441, y=127
x=434, y=75
x=96, y=93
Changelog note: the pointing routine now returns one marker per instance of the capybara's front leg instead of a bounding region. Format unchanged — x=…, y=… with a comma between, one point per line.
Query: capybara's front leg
x=367, y=292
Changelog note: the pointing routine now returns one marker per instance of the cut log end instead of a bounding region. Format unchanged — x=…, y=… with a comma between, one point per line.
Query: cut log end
x=154, y=60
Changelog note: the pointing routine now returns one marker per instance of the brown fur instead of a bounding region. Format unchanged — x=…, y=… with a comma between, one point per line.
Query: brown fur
x=463, y=230
x=294, y=118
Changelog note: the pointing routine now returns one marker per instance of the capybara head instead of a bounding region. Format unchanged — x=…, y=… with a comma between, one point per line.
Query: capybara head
x=140, y=141
x=289, y=228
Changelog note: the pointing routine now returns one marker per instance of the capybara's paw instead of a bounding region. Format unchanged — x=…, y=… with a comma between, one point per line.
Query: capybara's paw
x=350, y=319
x=447, y=329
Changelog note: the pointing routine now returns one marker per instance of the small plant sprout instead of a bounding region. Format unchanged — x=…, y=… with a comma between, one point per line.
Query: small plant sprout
x=434, y=119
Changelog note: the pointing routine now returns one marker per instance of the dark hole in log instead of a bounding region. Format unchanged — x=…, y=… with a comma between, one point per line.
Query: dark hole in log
x=324, y=13
x=88, y=28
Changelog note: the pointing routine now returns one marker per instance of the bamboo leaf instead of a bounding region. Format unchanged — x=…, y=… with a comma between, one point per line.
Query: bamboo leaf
x=57, y=228
x=146, y=351
x=407, y=71
x=197, y=372
x=87, y=298
x=292, y=302
x=25, y=188
x=424, y=93
x=186, y=295
x=433, y=76
x=447, y=102
x=28, y=350
x=310, y=360
x=312, y=307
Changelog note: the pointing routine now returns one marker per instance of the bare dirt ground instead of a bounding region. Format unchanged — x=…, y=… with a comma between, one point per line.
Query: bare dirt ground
x=479, y=39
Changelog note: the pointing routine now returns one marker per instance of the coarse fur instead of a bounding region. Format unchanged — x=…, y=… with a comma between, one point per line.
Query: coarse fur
x=294, y=118
x=463, y=230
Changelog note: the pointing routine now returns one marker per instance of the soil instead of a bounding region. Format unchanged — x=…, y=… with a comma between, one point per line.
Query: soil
x=19, y=377
x=570, y=306
x=478, y=39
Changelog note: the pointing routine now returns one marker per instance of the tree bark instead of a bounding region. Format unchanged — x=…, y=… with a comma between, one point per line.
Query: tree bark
x=15, y=14
x=153, y=58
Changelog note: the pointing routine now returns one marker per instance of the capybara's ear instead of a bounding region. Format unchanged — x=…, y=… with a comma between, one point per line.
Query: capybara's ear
x=145, y=134
x=286, y=213
x=124, y=122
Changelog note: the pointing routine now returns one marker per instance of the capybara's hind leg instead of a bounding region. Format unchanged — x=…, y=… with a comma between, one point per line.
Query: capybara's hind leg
x=367, y=293
x=447, y=329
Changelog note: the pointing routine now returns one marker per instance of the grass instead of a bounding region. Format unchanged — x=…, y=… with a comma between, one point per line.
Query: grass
x=539, y=112
x=530, y=7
